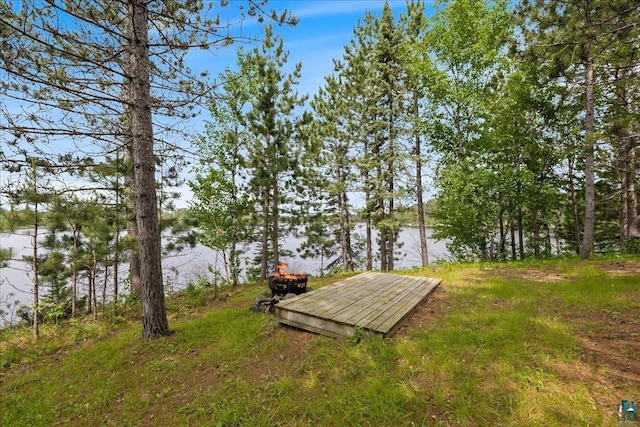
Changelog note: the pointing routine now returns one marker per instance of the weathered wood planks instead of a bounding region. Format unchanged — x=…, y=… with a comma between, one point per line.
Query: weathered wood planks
x=370, y=302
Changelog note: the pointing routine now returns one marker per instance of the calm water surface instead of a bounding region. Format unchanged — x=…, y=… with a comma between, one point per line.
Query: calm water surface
x=179, y=269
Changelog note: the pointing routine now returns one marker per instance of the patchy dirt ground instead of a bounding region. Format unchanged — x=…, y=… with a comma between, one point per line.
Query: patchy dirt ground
x=620, y=268
x=609, y=340
x=428, y=312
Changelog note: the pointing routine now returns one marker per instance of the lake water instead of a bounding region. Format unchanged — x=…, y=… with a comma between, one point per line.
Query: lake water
x=189, y=265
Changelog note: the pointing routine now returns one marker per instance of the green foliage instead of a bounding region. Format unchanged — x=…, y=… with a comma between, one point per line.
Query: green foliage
x=632, y=247
x=466, y=211
x=585, y=48
x=5, y=255
x=221, y=201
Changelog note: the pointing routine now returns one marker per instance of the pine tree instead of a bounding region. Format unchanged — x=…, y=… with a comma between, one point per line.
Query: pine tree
x=276, y=151
x=356, y=73
x=99, y=80
x=373, y=76
x=389, y=148
x=336, y=167
x=414, y=23
x=577, y=37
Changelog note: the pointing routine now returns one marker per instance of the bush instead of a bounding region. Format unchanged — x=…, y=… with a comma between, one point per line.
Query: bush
x=632, y=247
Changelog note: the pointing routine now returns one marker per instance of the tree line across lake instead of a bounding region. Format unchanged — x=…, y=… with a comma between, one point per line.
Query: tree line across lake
x=521, y=120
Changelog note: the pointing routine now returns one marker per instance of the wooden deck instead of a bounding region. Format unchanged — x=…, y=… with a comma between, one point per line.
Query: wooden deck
x=370, y=302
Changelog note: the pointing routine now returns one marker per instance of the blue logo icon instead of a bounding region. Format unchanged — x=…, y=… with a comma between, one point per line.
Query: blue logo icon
x=627, y=413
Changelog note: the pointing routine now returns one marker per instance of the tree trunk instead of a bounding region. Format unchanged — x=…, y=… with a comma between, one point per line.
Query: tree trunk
x=90, y=290
x=135, y=290
x=105, y=283
x=276, y=225
x=154, y=317
x=521, y=233
x=503, y=237
x=74, y=277
x=632, y=192
x=589, y=173
x=512, y=230
x=235, y=221
x=628, y=191
x=264, y=258
x=94, y=270
x=547, y=237
x=369, y=238
x=624, y=200
x=36, y=275
x=383, y=238
x=391, y=231
x=419, y=189
x=132, y=229
x=535, y=233
x=115, y=267
x=627, y=166
x=574, y=208
x=344, y=230
x=116, y=243
x=391, y=234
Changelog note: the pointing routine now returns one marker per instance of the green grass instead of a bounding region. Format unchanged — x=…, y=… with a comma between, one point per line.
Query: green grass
x=506, y=344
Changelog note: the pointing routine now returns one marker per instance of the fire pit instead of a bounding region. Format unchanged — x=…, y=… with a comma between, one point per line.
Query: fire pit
x=282, y=282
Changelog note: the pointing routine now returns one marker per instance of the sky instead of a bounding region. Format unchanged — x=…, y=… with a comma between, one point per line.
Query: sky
x=324, y=28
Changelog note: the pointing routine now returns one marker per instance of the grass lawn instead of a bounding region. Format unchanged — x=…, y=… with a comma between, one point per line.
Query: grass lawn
x=553, y=343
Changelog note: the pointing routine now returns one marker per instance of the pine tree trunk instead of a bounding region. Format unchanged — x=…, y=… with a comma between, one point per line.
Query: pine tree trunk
x=512, y=230
x=276, y=225
x=116, y=257
x=90, y=290
x=628, y=191
x=574, y=209
x=589, y=173
x=391, y=232
x=521, y=233
x=36, y=275
x=74, y=277
x=547, y=237
x=503, y=239
x=627, y=167
x=632, y=192
x=369, y=237
x=132, y=227
x=105, y=283
x=94, y=271
x=154, y=317
x=264, y=258
x=135, y=290
x=116, y=243
x=344, y=229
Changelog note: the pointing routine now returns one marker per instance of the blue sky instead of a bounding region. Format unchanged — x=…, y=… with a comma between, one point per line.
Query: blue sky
x=324, y=28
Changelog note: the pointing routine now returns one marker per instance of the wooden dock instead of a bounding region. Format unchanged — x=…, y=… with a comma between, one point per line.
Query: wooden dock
x=369, y=302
